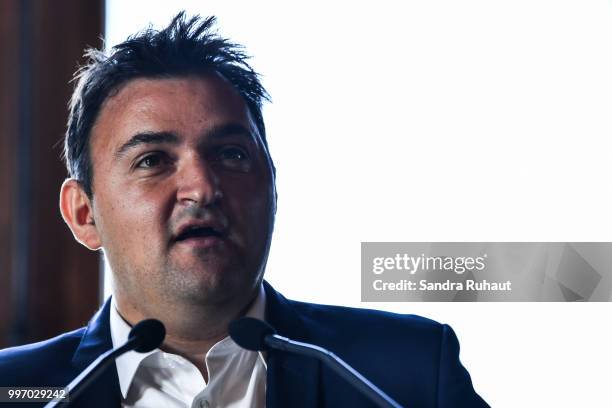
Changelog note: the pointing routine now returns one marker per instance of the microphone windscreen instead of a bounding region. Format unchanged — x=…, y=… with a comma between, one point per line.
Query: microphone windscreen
x=149, y=335
x=249, y=333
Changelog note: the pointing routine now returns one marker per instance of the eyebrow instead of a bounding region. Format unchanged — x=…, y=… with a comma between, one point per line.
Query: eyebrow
x=217, y=132
x=230, y=129
x=147, y=138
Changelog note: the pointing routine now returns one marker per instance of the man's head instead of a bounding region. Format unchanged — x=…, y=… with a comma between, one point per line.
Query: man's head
x=183, y=48
x=170, y=170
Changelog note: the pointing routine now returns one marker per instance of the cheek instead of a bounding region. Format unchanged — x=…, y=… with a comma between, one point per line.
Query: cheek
x=133, y=219
x=251, y=209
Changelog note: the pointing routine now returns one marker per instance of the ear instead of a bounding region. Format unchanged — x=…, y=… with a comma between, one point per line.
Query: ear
x=77, y=211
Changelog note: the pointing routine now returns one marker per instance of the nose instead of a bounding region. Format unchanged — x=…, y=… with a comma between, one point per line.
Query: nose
x=197, y=183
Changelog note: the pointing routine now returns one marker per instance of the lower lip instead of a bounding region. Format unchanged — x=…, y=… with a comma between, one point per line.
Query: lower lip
x=201, y=242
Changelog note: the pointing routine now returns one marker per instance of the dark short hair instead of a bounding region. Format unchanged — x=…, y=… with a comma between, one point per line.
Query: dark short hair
x=185, y=47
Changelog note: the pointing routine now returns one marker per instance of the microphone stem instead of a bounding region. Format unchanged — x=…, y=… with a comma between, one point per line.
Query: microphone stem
x=335, y=363
x=80, y=383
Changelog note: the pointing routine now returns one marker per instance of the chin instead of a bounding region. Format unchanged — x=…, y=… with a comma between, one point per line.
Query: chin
x=211, y=285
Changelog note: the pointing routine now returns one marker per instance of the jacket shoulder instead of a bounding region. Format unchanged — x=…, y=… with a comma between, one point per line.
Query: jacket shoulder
x=30, y=364
x=343, y=319
x=390, y=337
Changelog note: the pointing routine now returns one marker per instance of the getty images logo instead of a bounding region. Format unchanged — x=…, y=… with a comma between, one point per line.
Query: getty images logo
x=413, y=264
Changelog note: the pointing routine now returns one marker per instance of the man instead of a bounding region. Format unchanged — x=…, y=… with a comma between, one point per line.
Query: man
x=171, y=176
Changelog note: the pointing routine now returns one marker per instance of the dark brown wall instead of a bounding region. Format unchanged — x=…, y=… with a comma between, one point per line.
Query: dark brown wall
x=9, y=79
x=48, y=282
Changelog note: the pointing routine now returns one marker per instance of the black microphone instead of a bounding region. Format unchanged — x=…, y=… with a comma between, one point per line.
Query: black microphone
x=256, y=335
x=145, y=336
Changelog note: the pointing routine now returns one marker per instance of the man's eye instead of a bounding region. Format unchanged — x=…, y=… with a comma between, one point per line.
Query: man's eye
x=151, y=160
x=233, y=153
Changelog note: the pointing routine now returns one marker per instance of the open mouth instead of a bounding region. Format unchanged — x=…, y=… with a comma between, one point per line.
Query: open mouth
x=196, y=232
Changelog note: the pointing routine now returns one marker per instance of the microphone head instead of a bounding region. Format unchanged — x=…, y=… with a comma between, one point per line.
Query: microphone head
x=250, y=333
x=148, y=335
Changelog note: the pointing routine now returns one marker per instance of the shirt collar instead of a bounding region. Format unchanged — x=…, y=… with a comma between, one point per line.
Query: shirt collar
x=128, y=363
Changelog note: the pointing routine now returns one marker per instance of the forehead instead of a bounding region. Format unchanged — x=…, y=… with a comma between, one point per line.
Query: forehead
x=182, y=105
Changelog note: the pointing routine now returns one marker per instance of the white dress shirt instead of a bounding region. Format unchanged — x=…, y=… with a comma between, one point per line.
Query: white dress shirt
x=237, y=377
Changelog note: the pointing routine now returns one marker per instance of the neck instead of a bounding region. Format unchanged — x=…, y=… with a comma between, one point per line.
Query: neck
x=191, y=330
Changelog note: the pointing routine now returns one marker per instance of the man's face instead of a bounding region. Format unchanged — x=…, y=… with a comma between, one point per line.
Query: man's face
x=183, y=192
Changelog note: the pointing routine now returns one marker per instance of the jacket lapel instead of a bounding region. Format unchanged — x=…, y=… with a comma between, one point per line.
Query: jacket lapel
x=104, y=392
x=292, y=380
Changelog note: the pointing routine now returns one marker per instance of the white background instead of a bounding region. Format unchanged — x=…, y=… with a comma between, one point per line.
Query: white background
x=437, y=121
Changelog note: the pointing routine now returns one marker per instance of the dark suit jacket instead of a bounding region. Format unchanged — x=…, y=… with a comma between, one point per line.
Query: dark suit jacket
x=413, y=359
